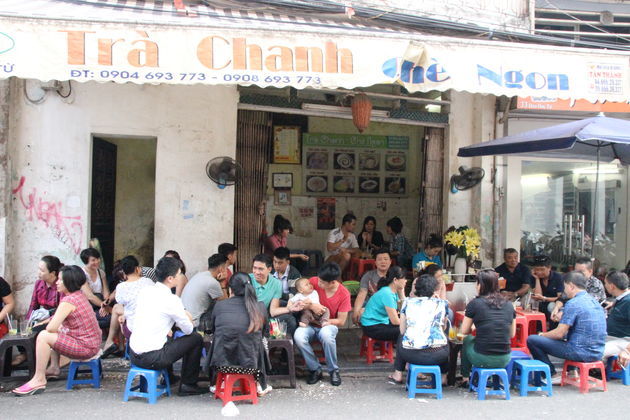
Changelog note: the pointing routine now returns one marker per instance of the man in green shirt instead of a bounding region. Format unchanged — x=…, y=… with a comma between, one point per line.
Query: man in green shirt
x=269, y=291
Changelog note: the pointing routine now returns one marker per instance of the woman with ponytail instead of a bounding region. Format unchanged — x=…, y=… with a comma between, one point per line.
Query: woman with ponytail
x=238, y=324
x=380, y=319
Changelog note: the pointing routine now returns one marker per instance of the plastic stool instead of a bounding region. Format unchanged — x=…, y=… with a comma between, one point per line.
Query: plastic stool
x=615, y=371
x=519, y=340
x=413, y=385
x=585, y=382
x=483, y=374
x=516, y=355
x=226, y=385
x=286, y=345
x=75, y=368
x=369, y=351
x=148, y=387
x=525, y=369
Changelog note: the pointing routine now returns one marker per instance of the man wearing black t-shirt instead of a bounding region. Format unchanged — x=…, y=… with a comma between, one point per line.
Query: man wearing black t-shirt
x=518, y=277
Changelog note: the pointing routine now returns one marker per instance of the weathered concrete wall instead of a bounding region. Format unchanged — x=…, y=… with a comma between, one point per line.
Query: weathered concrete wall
x=50, y=158
x=135, y=198
x=306, y=234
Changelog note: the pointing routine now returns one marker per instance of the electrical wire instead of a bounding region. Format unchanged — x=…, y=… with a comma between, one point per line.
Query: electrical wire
x=69, y=90
x=28, y=98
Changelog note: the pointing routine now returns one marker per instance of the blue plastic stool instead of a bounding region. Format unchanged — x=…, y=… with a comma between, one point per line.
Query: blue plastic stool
x=483, y=374
x=413, y=384
x=516, y=355
x=75, y=368
x=529, y=371
x=149, y=387
x=623, y=374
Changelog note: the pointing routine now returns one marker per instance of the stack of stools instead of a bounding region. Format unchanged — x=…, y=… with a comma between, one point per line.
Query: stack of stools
x=370, y=347
x=414, y=386
x=228, y=383
x=287, y=346
x=500, y=382
x=528, y=372
x=149, y=387
x=516, y=355
x=95, y=368
x=585, y=382
x=615, y=371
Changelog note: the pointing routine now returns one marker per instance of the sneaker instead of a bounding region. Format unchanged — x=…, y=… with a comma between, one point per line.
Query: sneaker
x=556, y=379
x=335, y=379
x=213, y=389
x=261, y=391
x=314, y=377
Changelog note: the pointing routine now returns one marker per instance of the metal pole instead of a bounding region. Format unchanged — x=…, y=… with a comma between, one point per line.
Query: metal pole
x=594, y=214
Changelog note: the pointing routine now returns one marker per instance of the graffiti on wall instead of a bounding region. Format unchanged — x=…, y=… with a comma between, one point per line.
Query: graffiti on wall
x=67, y=229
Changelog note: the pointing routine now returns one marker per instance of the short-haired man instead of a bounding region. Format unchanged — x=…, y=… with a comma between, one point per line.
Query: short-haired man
x=342, y=243
x=336, y=298
x=369, y=280
x=548, y=285
x=204, y=290
x=594, y=286
x=284, y=271
x=518, y=277
x=229, y=251
x=269, y=291
x=157, y=310
x=583, y=323
x=618, y=321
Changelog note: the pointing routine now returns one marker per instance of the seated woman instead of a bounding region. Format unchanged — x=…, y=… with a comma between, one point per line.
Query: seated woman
x=73, y=332
x=430, y=253
x=96, y=288
x=422, y=324
x=281, y=229
x=7, y=303
x=494, y=318
x=238, y=324
x=369, y=238
x=380, y=319
x=399, y=246
x=182, y=280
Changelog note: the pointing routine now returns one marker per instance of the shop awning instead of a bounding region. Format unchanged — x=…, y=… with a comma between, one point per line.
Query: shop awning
x=83, y=41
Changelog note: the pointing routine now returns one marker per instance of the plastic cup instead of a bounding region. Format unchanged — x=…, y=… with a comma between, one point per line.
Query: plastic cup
x=24, y=328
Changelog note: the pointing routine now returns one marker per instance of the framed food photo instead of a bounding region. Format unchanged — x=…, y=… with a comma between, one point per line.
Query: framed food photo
x=283, y=180
x=282, y=197
x=286, y=144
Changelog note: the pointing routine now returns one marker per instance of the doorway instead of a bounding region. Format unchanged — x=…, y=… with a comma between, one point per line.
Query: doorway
x=123, y=198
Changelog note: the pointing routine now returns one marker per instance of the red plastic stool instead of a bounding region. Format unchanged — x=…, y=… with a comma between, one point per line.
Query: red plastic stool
x=369, y=350
x=522, y=332
x=585, y=381
x=228, y=383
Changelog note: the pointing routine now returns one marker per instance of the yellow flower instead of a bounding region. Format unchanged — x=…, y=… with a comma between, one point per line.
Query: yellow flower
x=455, y=238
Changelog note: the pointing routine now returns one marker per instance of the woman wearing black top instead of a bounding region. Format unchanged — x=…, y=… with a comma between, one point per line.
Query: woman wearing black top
x=370, y=239
x=494, y=318
x=238, y=324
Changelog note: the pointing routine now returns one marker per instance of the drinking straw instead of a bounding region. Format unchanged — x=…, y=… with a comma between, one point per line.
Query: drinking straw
x=9, y=320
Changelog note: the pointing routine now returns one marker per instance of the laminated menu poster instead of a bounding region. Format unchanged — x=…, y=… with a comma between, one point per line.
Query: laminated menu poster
x=355, y=165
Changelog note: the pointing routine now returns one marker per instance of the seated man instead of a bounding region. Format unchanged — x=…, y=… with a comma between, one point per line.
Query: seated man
x=269, y=291
x=594, y=287
x=284, y=271
x=151, y=345
x=204, y=289
x=342, y=244
x=336, y=298
x=583, y=323
x=618, y=321
x=518, y=277
x=548, y=285
x=369, y=280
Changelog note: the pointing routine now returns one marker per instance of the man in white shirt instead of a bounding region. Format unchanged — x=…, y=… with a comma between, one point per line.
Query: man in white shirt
x=151, y=345
x=204, y=289
x=342, y=244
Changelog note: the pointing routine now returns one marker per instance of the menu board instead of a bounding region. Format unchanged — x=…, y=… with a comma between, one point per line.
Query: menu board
x=355, y=165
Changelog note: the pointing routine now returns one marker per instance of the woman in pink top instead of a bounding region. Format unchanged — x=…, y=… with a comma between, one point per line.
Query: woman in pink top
x=281, y=229
x=72, y=332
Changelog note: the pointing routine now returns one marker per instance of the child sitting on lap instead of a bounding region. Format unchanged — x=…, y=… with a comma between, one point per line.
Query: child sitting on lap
x=307, y=295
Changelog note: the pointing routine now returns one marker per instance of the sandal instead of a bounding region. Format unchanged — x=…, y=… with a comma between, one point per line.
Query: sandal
x=26, y=390
x=394, y=381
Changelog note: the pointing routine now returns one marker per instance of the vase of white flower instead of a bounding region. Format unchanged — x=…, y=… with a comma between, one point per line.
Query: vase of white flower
x=460, y=267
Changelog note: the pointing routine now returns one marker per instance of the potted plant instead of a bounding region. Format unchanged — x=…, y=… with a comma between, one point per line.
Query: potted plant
x=463, y=242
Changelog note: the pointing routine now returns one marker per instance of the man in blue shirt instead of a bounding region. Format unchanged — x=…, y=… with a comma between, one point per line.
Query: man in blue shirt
x=583, y=324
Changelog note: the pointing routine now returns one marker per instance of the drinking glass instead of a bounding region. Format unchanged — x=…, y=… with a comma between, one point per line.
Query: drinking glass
x=24, y=327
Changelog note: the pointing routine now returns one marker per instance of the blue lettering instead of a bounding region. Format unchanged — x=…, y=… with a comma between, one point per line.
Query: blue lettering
x=408, y=72
x=489, y=74
x=390, y=67
x=434, y=71
x=513, y=79
x=533, y=78
x=558, y=81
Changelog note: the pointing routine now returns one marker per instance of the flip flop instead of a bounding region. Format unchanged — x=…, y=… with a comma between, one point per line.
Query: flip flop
x=394, y=381
x=52, y=377
x=26, y=390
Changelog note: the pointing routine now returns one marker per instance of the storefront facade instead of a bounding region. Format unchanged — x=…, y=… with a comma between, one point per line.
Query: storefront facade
x=177, y=88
